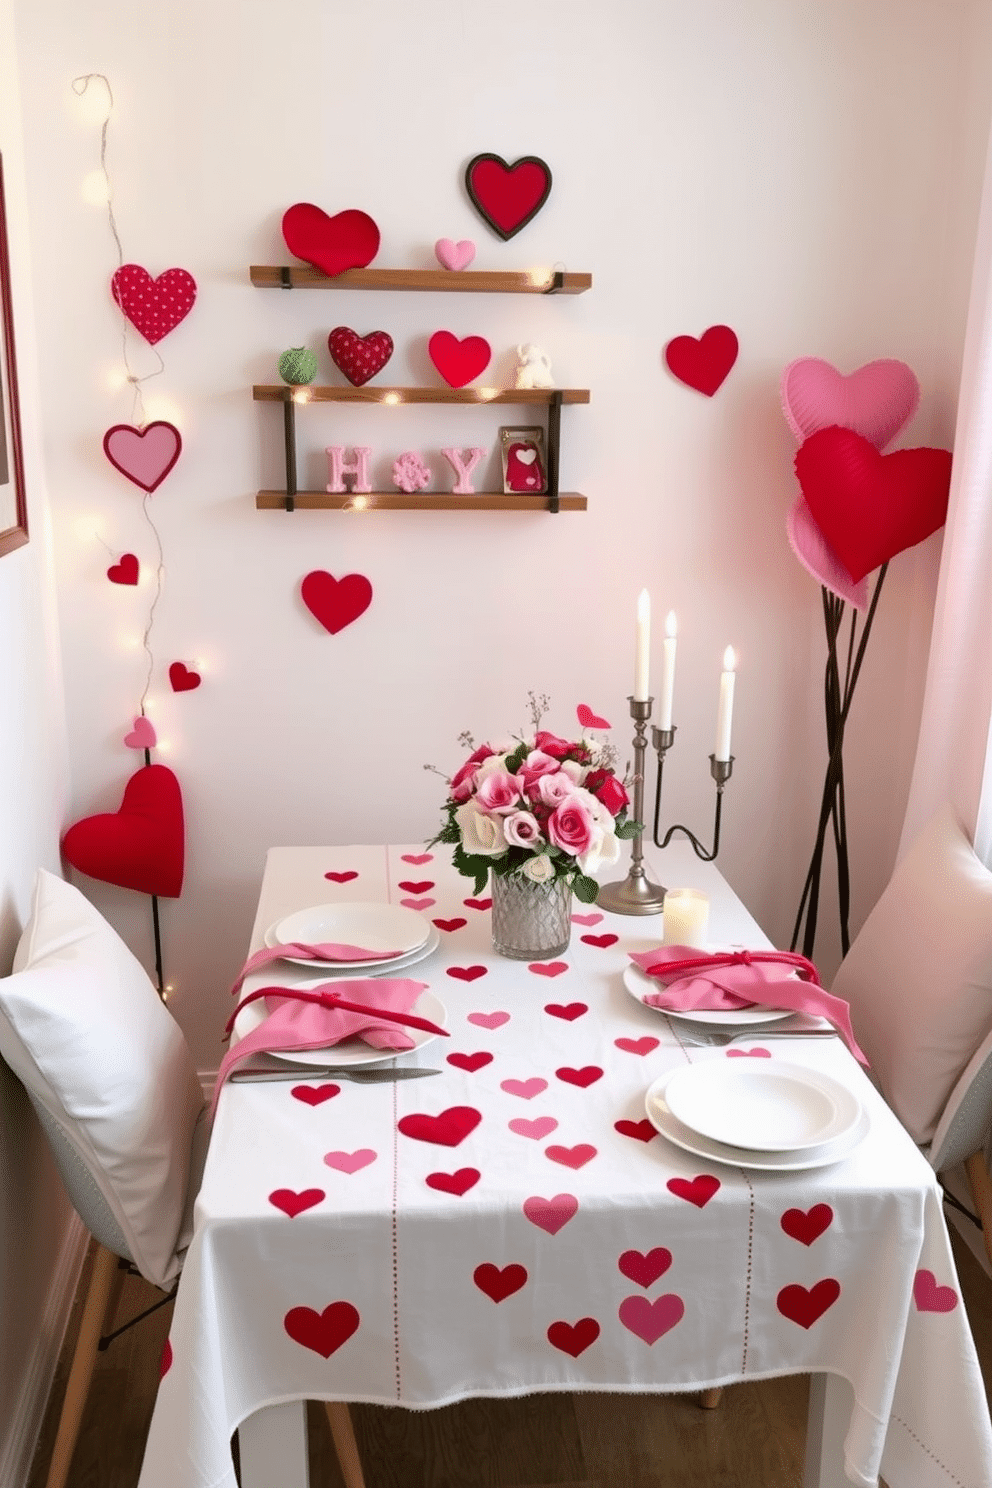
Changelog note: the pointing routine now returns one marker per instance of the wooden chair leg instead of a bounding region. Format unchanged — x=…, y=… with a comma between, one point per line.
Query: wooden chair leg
x=83, y=1360
x=339, y=1417
x=114, y=1298
x=981, y=1191
x=710, y=1399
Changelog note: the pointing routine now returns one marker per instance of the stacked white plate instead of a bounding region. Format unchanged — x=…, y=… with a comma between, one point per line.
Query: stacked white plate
x=765, y=1114
x=375, y=927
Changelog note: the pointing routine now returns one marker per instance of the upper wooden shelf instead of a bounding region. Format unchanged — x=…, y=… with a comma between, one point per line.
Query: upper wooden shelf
x=464, y=281
x=308, y=393
x=445, y=501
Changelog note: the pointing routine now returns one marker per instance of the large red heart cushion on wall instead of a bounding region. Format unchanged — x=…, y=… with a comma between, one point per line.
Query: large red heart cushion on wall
x=141, y=845
x=868, y=506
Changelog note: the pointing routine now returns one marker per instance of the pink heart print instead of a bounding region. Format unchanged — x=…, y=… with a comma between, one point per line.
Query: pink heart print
x=551, y=1215
x=541, y=1126
x=929, y=1297
x=526, y=1089
x=651, y=1320
x=637, y=1046
x=587, y=919
x=417, y=858
x=350, y=1162
x=749, y=1053
x=571, y=1157
x=547, y=968
x=417, y=903
x=489, y=1020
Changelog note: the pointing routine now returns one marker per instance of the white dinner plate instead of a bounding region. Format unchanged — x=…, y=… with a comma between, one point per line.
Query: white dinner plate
x=765, y=1105
x=638, y=983
x=334, y=969
x=376, y=927
x=671, y=1128
x=352, y=1050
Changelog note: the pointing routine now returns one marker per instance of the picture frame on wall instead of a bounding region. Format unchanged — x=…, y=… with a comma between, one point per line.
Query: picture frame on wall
x=13, y=500
x=525, y=466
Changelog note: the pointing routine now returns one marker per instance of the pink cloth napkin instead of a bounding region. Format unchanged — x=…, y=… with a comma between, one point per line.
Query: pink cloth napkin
x=374, y=1010
x=690, y=980
x=326, y=950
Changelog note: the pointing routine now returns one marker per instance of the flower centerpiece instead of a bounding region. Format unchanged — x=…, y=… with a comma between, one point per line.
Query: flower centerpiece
x=541, y=814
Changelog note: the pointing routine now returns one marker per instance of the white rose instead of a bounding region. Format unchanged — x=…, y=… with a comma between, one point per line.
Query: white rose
x=489, y=764
x=574, y=770
x=482, y=835
x=539, y=869
x=604, y=851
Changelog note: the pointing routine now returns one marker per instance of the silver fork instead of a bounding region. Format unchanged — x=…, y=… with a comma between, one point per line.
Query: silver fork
x=695, y=1040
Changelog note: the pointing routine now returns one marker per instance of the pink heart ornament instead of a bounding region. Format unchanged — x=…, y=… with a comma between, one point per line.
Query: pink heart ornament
x=875, y=401
x=454, y=256
x=145, y=455
x=142, y=736
x=818, y=557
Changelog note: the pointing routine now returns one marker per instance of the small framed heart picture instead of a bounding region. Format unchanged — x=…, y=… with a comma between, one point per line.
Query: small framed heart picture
x=525, y=471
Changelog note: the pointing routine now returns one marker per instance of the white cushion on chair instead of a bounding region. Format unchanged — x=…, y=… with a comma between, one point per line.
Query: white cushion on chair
x=85, y=1032
x=919, y=975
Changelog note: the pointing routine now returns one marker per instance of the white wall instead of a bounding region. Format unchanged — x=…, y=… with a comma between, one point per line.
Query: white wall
x=807, y=174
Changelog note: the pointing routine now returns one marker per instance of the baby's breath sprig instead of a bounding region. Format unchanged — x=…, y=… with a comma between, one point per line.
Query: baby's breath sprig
x=539, y=703
x=467, y=739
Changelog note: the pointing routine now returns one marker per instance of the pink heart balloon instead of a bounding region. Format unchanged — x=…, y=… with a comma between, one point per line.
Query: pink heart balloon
x=875, y=401
x=819, y=559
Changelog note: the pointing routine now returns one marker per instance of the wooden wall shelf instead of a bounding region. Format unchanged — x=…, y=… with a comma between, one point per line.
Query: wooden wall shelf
x=394, y=396
x=437, y=501
x=463, y=281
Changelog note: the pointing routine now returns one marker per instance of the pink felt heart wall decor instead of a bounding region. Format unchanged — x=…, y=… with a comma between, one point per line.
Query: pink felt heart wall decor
x=875, y=401
x=153, y=306
x=459, y=361
x=868, y=506
x=145, y=455
x=141, y=845
x=336, y=603
x=703, y=363
x=359, y=357
x=507, y=196
x=142, y=735
x=349, y=240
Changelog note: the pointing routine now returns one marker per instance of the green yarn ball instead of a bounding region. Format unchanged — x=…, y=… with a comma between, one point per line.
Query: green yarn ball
x=298, y=365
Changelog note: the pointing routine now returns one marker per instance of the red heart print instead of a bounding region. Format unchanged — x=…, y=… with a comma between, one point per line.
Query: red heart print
x=478, y=903
x=696, y=1191
x=547, y=968
x=571, y=1157
x=323, y=1332
x=350, y=1162
x=466, y=974
x=182, y=678
x=359, y=357
x=551, y=1215
x=526, y=1089
x=145, y=456
x=125, y=571
x=586, y=919
x=567, y=1011
x=584, y=1077
x=153, y=306
x=868, y=506
x=758, y=1053
x=498, y=1284
x=645, y=1269
x=807, y=1225
x=140, y=846
x=417, y=858
x=349, y=240
x=489, y=1020
x=315, y=1095
x=507, y=196
x=457, y=1183
x=637, y=1046
x=703, y=364
x=336, y=603
x=804, y=1305
x=641, y=1131
x=446, y=1130
x=449, y=925
x=418, y=903
x=574, y=1338
x=416, y=886
x=293, y=1203
x=541, y=1126
x=458, y=361
x=165, y=1362
x=651, y=1320
x=344, y=877
x=588, y=719
x=470, y=1062
x=602, y=941
x=929, y=1297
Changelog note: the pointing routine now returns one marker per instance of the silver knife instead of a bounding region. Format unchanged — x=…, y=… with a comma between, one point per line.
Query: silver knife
x=359, y=1076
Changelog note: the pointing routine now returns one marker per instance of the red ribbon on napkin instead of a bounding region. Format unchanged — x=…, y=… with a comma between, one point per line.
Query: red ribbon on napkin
x=728, y=980
x=297, y=950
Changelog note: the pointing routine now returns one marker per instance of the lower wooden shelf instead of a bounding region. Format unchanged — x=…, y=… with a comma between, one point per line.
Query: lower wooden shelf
x=429, y=501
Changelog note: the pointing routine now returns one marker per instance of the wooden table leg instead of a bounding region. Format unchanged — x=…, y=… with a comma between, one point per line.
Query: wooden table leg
x=84, y=1358
x=831, y=1400
x=345, y=1444
x=710, y=1399
x=273, y=1446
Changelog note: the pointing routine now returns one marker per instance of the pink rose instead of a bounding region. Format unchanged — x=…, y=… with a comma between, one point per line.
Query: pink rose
x=572, y=826
x=522, y=829
x=499, y=792
x=553, y=789
x=535, y=765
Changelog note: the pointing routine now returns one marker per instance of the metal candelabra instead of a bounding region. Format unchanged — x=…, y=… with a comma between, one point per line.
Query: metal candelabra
x=721, y=770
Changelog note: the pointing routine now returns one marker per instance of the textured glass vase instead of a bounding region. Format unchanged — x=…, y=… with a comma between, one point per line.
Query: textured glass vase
x=531, y=921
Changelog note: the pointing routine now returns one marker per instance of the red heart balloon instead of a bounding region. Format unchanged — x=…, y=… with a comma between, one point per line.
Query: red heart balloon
x=359, y=357
x=507, y=196
x=336, y=602
x=868, y=506
x=458, y=361
x=141, y=845
x=153, y=306
x=703, y=364
x=349, y=240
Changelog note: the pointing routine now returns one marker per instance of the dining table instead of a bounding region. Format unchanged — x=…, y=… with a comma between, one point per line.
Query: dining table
x=527, y=1220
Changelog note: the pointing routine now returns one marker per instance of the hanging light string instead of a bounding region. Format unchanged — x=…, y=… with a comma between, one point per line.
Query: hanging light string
x=146, y=635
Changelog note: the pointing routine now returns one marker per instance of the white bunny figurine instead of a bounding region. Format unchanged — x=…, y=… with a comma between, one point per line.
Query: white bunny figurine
x=534, y=367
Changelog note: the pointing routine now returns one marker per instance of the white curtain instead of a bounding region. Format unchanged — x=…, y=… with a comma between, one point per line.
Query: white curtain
x=953, y=757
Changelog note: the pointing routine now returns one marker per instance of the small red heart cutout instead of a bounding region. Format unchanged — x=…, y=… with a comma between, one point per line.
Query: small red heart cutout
x=645, y=1269
x=547, y=968
x=344, y=877
x=323, y=1332
x=446, y=1130
x=807, y=1225
x=145, y=455
x=703, y=364
x=458, y=361
x=602, y=941
x=140, y=846
x=641, y=1131
x=417, y=858
x=696, y=1191
x=419, y=886
x=804, y=1305
x=571, y=1157
x=315, y=1095
x=470, y=1062
x=551, y=1215
x=651, y=1320
x=359, y=357
x=573, y=1338
x=153, y=306
x=466, y=973
x=489, y=1020
x=293, y=1203
x=583, y=1078
x=336, y=603
x=929, y=1297
x=457, y=1183
x=507, y=196
x=478, y=903
x=182, y=678
x=349, y=240
x=749, y=1053
x=637, y=1046
x=125, y=571
x=449, y=925
x=567, y=1011
x=588, y=719
x=499, y=1284
x=165, y=1363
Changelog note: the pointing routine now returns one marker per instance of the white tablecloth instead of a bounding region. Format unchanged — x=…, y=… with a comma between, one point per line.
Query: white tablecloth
x=528, y=1230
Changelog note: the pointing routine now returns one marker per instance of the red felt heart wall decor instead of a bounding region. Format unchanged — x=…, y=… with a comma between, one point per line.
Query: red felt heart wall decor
x=359, y=357
x=336, y=603
x=125, y=571
x=507, y=196
x=153, y=306
x=868, y=506
x=141, y=845
x=703, y=364
x=458, y=361
x=349, y=240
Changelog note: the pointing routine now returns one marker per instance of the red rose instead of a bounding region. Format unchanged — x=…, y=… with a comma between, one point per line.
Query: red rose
x=612, y=793
x=558, y=749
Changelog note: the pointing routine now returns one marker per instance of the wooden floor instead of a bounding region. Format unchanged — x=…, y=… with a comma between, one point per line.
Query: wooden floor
x=753, y=1440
